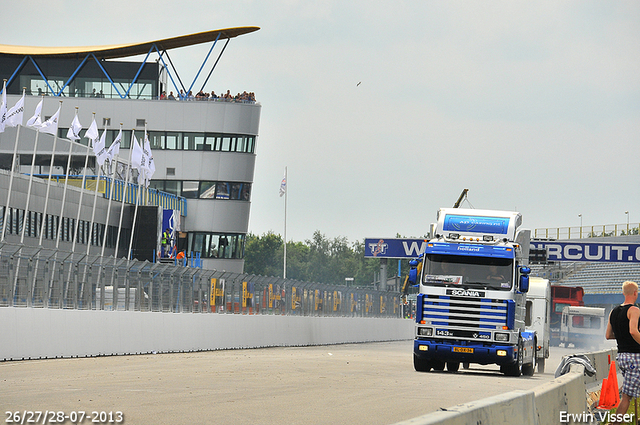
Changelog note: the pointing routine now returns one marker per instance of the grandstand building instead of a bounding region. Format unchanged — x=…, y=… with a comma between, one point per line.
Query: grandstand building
x=204, y=151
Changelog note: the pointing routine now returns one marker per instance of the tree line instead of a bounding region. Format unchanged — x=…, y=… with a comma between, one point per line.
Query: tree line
x=319, y=259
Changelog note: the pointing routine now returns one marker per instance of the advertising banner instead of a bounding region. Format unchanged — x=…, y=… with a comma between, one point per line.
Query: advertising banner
x=590, y=251
x=394, y=248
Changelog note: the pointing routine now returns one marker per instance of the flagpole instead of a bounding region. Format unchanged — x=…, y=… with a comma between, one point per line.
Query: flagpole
x=284, y=274
x=133, y=224
x=135, y=212
x=84, y=176
x=100, y=282
x=111, y=196
x=13, y=171
x=26, y=208
x=93, y=210
x=64, y=190
x=46, y=197
x=95, y=196
x=124, y=195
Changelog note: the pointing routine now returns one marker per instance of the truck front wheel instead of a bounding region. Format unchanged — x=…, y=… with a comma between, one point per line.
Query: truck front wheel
x=515, y=369
x=453, y=366
x=438, y=365
x=421, y=365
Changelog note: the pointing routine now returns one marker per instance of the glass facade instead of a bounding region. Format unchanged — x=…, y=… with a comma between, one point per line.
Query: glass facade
x=217, y=245
x=191, y=189
x=172, y=140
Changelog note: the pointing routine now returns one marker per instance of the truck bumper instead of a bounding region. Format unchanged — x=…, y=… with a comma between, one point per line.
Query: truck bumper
x=451, y=352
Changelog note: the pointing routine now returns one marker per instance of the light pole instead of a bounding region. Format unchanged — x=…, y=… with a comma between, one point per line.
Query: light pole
x=627, y=214
x=580, y=215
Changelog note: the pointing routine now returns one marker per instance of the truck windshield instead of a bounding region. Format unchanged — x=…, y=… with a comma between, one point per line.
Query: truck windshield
x=471, y=272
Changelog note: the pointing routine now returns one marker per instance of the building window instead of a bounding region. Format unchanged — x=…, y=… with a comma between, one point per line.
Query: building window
x=216, y=245
x=169, y=140
x=190, y=189
x=204, y=189
x=207, y=190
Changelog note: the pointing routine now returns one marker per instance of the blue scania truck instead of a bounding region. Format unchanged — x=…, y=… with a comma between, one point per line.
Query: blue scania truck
x=471, y=305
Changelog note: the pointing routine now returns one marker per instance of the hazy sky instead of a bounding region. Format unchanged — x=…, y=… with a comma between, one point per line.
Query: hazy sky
x=383, y=111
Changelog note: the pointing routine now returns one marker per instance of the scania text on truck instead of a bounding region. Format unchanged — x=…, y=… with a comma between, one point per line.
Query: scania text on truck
x=473, y=281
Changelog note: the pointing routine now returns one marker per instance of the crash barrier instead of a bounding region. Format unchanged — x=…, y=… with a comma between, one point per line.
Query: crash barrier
x=38, y=277
x=33, y=333
x=563, y=400
x=61, y=304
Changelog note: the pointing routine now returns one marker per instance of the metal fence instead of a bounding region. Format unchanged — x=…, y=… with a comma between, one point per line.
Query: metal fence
x=580, y=232
x=45, y=278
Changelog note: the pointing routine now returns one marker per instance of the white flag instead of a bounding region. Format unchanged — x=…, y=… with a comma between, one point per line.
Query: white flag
x=51, y=125
x=151, y=166
x=14, y=115
x=92, y=133
x=99, y=148
x=35, y=121
x=3, y=107
x=283, y=186
x=74, y=130
x=114, y=149
x=138, y=160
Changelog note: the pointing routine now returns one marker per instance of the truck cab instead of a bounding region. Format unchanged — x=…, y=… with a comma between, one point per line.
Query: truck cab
x=582, y=326
x=473, y=282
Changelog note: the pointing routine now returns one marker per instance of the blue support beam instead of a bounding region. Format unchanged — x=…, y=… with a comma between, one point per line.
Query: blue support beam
x=203, y=63
x=73, y=75
x=41, y=74
x=154, y=47
x=16, y=71
x=139, y=70
x=104, y=71
x=215, y=64
x=167, y=68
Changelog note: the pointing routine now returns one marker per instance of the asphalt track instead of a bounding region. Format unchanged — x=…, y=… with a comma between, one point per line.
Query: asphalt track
x=372, y=383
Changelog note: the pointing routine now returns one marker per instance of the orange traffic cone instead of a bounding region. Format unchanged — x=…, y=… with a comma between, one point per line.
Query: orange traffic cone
x=610, y=395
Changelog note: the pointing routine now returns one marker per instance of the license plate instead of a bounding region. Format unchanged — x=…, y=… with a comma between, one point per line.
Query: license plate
x=462, y=350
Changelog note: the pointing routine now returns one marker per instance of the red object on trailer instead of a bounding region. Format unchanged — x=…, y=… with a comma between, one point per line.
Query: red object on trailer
x=562, y=296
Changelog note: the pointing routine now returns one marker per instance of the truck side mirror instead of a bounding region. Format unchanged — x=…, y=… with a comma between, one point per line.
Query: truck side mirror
x=524, y=279
x=413, y=271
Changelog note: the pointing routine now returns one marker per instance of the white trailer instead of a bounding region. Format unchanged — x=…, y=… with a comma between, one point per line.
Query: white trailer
x=538, y=316
x=582, y=326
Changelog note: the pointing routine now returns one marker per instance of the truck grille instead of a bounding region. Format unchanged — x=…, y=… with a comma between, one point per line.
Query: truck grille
x=480, y=313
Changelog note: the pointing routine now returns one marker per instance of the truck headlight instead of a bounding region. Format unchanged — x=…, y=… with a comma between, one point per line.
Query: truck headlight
x=425, y=331
x=502, y=337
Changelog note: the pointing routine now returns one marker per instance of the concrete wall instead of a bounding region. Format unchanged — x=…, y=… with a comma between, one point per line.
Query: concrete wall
x=29, y=333
x=540, y=406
